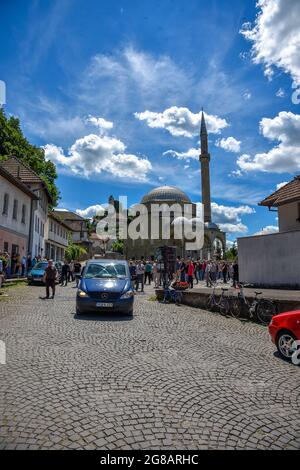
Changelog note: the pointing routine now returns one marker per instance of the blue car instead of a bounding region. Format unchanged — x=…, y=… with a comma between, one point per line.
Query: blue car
x=105, y=286
x=36, y=274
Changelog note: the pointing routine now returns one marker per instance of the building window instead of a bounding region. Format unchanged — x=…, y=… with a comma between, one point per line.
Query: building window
x=14, y=249
x=23, y=220
x=5, y=204
x=51, y=226
x=15, y=209
x=5, y=247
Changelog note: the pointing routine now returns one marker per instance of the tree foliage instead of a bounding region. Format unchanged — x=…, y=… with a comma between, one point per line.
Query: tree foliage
x=14, y=143
x=118, y=246
x=232, y=253
x=74, y=252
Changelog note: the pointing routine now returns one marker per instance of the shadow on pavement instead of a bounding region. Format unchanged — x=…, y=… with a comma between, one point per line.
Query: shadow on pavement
x=285, y=361
x=104, y=317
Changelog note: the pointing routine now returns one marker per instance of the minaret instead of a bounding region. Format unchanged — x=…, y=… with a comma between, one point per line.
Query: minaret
x=205, y=178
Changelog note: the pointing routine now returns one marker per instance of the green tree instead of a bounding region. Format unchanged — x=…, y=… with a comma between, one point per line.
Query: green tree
x=232, y=253
x=118, y=246
x=13, y=142
x=74, y=251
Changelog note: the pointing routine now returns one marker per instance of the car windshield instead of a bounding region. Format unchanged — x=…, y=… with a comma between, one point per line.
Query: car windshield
x=40, y=266
x=105, y=270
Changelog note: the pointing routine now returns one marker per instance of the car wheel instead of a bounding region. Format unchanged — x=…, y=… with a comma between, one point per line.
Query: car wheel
x=284, y=343
x=78, y=312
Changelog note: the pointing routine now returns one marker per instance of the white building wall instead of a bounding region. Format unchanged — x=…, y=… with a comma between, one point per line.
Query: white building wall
x=270, y=260
x=6, y=220
x=40, y=217
x=56, y=239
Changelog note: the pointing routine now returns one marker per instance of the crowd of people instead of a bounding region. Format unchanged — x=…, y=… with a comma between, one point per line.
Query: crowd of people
x=186, y=270
x=16, y=265
x=142, y=271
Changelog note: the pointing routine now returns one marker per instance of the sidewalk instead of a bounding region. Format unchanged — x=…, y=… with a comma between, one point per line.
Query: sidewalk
x=273, y=294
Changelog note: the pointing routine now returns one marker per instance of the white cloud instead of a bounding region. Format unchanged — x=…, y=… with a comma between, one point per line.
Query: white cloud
x=229, y=244
x=229, y=217
x=267, y=230
x=90, y=211
x=280, y=185
x=101, y=123
x=234, y=228
x=276, y=36
x=280, y=93
x=285, y=157
x=94, y=154
x=129, y=77
x=179, y=121
x=230, y=144
x=191, y=153
x=247, y=95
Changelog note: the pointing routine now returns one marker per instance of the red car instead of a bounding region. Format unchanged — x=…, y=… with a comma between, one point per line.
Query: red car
x=284, y=330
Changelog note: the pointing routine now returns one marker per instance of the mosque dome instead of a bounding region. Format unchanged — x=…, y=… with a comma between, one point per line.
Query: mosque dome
x=166, y=194
x=211, y=226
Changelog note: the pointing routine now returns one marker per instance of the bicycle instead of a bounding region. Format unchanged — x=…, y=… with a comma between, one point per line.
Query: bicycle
x=172, y=295
x=261, y=309
x=221, y=303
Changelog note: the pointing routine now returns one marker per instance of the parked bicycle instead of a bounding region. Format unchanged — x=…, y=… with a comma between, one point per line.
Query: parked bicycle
x=221, y=303
x=172, y=295
x=261, y=309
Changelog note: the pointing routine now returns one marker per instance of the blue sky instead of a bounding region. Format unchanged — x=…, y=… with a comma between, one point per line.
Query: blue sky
x=146, y=68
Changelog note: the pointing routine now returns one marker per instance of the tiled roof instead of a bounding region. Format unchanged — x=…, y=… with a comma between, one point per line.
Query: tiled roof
x=290, y=192
x=17, y=182
x=19, y=169
x=55, y=217
x=95, y=236
x=68, y=216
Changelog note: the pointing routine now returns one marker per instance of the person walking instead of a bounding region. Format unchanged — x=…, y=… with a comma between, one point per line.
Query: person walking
x=132, y=270
x=28, y=263
x=224, y=272
x=23, y=265
x=190, y=273
x=65, y=273
x=182, y=270
x=155, y=274
x=140, y=273
x=235, y=274
x=50, y=278
x=71, y=271
x=208, y=274
x=197, y=271
x=148, y=272
x=77, y=271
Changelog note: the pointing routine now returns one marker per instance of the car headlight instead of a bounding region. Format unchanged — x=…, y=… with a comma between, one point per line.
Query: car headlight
x=81, y=293
x=127, y=295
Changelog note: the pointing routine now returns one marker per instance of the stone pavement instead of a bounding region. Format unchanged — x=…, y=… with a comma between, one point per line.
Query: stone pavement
x=274, y=294
x=170, y=378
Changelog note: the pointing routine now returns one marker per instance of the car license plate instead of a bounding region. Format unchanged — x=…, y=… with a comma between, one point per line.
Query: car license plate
x=104, y=304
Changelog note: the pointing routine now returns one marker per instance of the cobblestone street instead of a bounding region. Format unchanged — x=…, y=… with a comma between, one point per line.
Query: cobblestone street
x=170, y=378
